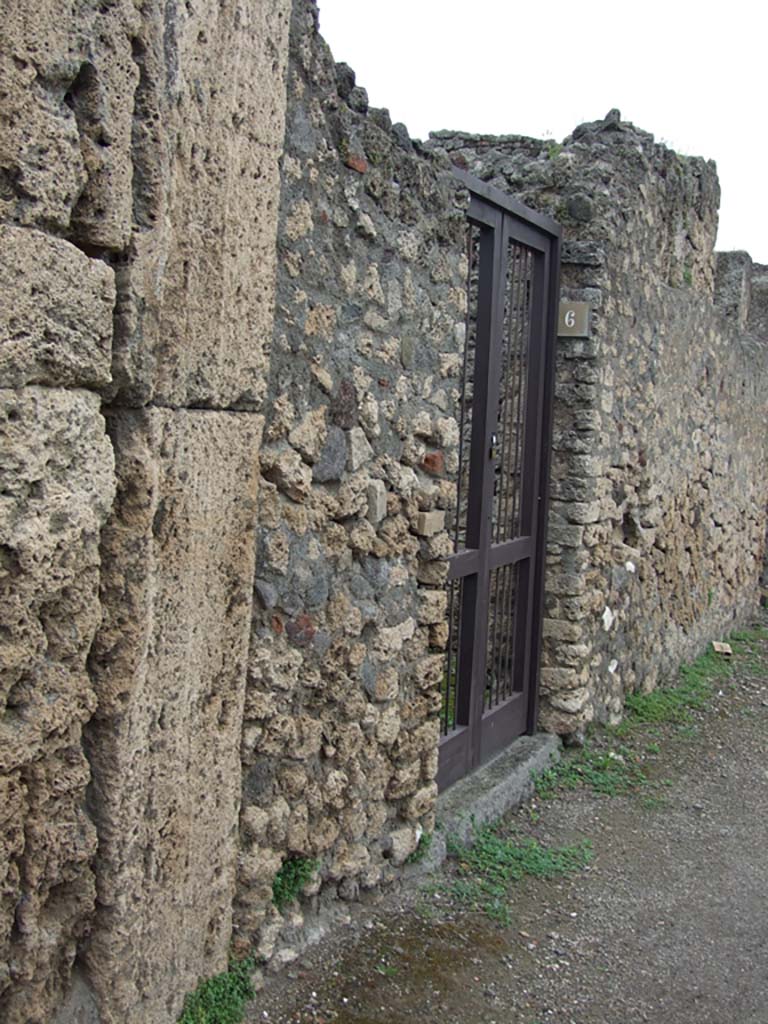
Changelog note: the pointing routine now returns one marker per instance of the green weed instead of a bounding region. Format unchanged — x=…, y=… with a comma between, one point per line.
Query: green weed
x=421, y=851
x=675, y=703
x=486, y=870
x=611, y=772
x=291, y=879
x=654, y=803
x=687, y=732
x=749, y=636
x=221, y=999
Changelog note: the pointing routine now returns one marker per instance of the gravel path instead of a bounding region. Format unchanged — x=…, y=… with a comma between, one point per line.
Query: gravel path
x=669, y=923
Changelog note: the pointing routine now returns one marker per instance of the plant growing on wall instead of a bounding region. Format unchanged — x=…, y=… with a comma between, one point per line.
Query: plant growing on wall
x=221, y=999
x=294, y=874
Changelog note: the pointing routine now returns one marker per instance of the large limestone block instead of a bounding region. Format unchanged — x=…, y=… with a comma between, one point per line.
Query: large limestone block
x=56, y=309
x=196, y=316
x=56, y=469
x=48, y=883
x=56, y=488
x=67, y=78
x=169, y=668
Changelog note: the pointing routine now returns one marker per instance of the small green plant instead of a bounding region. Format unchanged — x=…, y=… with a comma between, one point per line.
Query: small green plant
x=488, y=867
x=291, y=879
x=653, y=748
x=654, y=803
x=386, y=970
x=749, y=636
x=611, y=772
x=422, y=849
x=675, y=703
x=687, y=732
x=221, y=999
x=554, y=149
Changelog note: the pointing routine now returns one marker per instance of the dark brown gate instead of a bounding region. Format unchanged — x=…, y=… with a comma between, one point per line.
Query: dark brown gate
x=495, y=597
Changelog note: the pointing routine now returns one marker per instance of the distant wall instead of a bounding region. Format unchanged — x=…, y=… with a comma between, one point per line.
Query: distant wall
x=659, y=482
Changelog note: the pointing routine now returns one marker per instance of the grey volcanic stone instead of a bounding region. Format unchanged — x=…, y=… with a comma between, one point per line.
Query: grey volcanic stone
x=333, y=457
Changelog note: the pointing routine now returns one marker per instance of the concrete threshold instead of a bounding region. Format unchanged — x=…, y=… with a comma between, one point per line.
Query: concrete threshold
x=500, y=785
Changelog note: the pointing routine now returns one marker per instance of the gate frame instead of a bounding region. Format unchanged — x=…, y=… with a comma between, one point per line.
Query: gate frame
x=462, y=751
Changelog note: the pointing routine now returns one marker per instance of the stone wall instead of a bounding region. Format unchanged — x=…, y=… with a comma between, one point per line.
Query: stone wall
x=659, y=487
x=138, y=208
x=228, y=398
x=358, y=474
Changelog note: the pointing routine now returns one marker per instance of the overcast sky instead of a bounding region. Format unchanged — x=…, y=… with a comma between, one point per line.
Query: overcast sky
x=693, y=74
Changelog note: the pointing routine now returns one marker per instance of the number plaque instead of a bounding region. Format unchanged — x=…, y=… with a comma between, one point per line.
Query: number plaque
x=573, y=320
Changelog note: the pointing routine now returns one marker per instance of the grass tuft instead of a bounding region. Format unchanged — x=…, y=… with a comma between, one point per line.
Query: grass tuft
x=618, y=771
x=486, y=869
x=610, y=772
x=221, y=999
x=675, y=703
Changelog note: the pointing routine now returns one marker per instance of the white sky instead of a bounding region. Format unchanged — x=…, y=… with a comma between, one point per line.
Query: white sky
x=693, y=74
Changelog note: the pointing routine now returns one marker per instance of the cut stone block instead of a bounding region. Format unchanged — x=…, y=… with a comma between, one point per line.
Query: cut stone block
x=55, y=312
x=430, y=523
x=57, y=485
x=69, y=77
x=196, y=321
x=169, y=668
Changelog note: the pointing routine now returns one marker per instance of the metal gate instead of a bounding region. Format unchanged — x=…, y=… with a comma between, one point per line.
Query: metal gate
x=495, y=595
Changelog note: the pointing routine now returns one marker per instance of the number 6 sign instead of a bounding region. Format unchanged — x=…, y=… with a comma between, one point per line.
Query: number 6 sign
x=573, y=320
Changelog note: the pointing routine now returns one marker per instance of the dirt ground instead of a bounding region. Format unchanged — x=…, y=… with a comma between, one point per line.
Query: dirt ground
x=667, y=924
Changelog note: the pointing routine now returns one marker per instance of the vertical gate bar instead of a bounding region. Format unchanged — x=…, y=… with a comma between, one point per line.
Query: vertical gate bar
x=488, y=347
x=517, y=285
x=529, y=499
x=465, y=654
x=497, y=395
x=509, y=643
x=511, y=286
x=552, y=271
x=520, y=386
x=506, y=409
x=452, y=668
x=463, y=414
x=534, y=396
x=520, y=255
x=522, y=392
x=497, y=622
x=449, y=662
